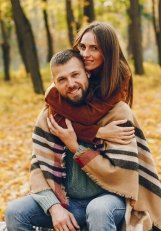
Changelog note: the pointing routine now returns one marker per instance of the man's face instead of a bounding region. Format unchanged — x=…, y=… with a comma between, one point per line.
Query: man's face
x=71, y=80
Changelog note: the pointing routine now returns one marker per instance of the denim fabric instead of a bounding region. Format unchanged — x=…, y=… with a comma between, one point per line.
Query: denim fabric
x=104, y=213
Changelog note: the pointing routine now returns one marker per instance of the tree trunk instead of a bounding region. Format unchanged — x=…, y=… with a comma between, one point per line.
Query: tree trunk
x=21, y=45
x=129, y=47
x=48, y=34
x=136, y=36
x=70, y=21
x=5, y=50
x=157, y=28
x=23, y=28
x=80, y=16
x=89, y=10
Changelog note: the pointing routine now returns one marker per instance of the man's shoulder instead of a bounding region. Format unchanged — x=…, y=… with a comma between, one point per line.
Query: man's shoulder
x=49, y=89
x=120, y=111
x=42, y=118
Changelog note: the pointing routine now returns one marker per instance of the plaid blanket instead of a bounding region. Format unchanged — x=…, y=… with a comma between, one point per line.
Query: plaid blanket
x=127, y=170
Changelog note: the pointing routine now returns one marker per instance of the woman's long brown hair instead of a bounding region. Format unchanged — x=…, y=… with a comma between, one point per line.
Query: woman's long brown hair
x=115, y=68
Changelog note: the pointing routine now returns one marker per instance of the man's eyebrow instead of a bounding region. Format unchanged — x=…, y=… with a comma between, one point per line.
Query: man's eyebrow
x=60, y=77
x=76, y=71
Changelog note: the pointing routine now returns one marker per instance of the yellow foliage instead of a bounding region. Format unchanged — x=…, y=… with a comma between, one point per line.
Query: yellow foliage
x=19, y=107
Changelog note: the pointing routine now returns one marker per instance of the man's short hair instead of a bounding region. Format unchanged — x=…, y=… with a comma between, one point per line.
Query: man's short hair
x=64, y=56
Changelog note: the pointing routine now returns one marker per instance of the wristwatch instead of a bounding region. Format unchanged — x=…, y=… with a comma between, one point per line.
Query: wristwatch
x=80, y=149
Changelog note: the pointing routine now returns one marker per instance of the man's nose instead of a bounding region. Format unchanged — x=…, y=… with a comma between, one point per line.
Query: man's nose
x=71, y=82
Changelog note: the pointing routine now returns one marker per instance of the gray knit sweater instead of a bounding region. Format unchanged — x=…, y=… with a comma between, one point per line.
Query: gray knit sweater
x=77, y=184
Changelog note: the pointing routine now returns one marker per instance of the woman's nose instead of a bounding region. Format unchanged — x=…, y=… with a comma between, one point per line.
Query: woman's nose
x=85, y=53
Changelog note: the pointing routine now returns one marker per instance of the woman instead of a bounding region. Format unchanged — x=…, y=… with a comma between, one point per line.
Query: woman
x=103, y=57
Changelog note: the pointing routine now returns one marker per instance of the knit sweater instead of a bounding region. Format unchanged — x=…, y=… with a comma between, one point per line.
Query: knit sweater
x=127, y=170
x=77, y=183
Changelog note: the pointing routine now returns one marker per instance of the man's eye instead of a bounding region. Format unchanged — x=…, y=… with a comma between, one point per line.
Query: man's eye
x=75, y=75
x=61, y=80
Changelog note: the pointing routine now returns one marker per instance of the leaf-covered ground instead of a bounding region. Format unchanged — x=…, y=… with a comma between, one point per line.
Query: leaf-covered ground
x=19, y=107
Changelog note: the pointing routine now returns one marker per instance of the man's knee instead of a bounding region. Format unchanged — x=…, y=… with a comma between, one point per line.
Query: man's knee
x=12, y=213
x=95, y=209
x=105, y=211
x=11, y=209
x=16, y=211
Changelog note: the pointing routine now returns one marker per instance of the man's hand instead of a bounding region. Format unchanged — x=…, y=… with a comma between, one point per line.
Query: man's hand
x=62, y=219
x=114, y=133
x=67, y=135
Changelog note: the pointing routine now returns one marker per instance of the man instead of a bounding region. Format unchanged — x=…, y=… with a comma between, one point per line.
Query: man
x=72, y=83
x=55, y=168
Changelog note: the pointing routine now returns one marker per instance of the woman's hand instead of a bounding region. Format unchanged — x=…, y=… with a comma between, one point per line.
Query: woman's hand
x=67, y=135
x=116, y=134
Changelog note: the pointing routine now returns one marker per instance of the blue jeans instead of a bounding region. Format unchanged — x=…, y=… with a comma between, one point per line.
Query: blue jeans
x=104, y=213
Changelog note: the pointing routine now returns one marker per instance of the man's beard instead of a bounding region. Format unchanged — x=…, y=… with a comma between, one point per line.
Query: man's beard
x=78, y=102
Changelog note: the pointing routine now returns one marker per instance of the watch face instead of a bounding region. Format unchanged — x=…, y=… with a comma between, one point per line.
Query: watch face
x=80, y=149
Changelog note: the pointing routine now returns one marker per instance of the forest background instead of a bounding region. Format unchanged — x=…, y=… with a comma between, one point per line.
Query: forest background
x=31, y=31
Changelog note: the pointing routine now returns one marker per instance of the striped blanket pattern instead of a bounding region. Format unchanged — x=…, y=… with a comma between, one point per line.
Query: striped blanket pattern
x=127, y=170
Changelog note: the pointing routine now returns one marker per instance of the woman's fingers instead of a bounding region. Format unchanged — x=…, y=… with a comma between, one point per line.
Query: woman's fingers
x=54, y=128
x=129, y=137
x=54, y=123
x=118, y=122
x=127, y=129
x=69, y=124
x=128, y=133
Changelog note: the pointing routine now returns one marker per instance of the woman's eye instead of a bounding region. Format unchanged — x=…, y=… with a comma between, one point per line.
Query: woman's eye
x=81, y=47
x=94, y=48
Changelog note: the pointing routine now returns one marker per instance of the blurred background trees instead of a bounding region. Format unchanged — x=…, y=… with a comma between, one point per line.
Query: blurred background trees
x=32, y=30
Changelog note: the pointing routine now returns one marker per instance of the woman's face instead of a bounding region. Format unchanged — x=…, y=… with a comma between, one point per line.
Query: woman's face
x=90, y=51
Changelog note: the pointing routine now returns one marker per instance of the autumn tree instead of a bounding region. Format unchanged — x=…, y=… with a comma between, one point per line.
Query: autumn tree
x=88, y=10
x=25, y=35
x=136, y=35
x=157, y=26
x=70, y=21
x=5, y=45
x=48, y=33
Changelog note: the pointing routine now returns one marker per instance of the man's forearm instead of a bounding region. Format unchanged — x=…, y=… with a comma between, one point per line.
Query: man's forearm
x=45, y=199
